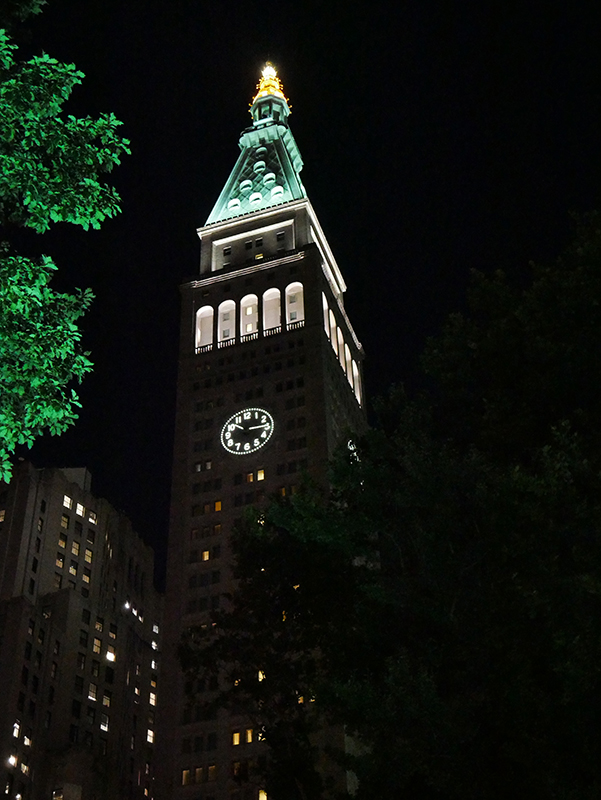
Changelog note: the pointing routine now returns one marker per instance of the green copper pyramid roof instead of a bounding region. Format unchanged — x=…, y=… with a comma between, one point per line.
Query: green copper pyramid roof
x=267, y=171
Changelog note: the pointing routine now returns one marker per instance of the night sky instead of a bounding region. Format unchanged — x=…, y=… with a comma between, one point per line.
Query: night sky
x=437, y=138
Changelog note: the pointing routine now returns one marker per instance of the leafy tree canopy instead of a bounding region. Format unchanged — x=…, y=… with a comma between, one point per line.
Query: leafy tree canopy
x=442, y=603
x=50, y=168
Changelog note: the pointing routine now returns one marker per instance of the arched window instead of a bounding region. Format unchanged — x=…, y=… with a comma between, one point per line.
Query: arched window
x=341, y=346
x=227, y=321
x=271, y=311
x=295, y=304
x=333, y=336
x=204, y=328
x=249, y=315
x=348, y=364
x=357, y=382
x=326, y=320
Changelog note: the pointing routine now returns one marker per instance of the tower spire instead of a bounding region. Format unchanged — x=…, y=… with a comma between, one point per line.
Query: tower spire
x=267, y=172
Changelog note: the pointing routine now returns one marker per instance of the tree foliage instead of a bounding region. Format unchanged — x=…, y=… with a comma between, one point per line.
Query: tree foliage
x=50, y=168
x=442, y=603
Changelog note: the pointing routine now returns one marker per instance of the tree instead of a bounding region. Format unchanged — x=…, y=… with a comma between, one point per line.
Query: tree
x=442, y=602
x=50, y=167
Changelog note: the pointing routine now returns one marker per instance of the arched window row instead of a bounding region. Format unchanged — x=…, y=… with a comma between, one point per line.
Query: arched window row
x=341, y=349
x=252, y=317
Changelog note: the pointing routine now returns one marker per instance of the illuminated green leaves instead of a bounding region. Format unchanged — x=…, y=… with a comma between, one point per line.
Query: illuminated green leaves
x=49, y=164
x=50, y=167
x=40, y=352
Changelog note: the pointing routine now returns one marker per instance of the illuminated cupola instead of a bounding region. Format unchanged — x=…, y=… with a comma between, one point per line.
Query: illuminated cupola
x=269, y=104
x=267, y=171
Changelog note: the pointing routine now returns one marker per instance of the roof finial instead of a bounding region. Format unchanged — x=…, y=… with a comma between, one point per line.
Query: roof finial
x=269, y=83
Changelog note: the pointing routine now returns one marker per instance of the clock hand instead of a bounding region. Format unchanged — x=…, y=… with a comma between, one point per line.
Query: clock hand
x=254, y=427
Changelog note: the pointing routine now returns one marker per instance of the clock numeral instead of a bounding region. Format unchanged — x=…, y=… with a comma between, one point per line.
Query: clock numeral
x=263, y=418
x=238, y=420
x=264, y=435
x=247, y=446
x=231, y=427
x=237, y=445
x=256, y=443
x=247, y=415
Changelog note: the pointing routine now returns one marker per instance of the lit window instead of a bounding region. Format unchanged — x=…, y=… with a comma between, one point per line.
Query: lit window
x=249, y=311
x=27, y=740
x=217, y=505
x=249, y=327
x=92, y=691
x=24, y=768
x=104, y=722
x=88, y=555
x=150, y=736
x=112, y=631
x=236, y=738
x=186, y=777
x=17, y=728
x=97, y=646
x=106, y=699
x=249, y=735
x=212, y=772
x=2, y=515
x=261, y=675
x=153, y=664
x=250, y=477
x=260, y=474
x=152, y=699
x=155, y=645
x=99, y=624
x=206, y=554
x=110, y=653
x=262, y=794
x=86, y=575
x=60, y=560
x=137, y=690
x=62, y=540
x=80, y=510
x=75, y=548
x=67, y=501
x=73, y=568
x=64, y=521
x=155, y=628
x=12, y=760
x=93, y=518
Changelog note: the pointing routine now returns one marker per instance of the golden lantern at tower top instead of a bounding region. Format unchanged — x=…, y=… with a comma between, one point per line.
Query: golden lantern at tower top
x=269, y=84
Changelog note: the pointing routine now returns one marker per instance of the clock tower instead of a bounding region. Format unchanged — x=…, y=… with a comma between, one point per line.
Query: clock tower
x=269, y=381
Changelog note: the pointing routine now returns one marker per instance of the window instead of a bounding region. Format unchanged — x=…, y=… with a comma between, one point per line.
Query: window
x=87, y=575
x=75, y=548
x=93, y=518
x=81, y=659
x=64, y=521
x=91, y=537
x=236, y=738
x=99, y=624
x=217, y=505
x=104, y=722
x=62, y=540
x=106, y=699
x=88, y=555
x=80, y=510
x=110, y=652
x=295, y=309
x=67, y=501
x=186, y=777
x=248, y=735
x=95, y=668
x=97, y=645
x=150, y=736
x=73, y=568
x=93, y=691
x=60, y=560
x=152, y=699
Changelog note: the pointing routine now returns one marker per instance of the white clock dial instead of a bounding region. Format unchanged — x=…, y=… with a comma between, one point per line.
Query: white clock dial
x=247, y=431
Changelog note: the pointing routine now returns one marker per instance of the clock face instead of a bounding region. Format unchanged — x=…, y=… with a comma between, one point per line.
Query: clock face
x=247, y=431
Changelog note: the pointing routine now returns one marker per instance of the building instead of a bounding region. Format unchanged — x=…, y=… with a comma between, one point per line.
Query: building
x=79, y=643
x=269, y=381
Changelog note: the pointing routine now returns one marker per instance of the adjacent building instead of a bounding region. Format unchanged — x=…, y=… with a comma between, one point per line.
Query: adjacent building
x=79, y=643
x=269, y=382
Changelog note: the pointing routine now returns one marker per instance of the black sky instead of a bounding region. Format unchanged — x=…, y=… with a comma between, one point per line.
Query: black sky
x=437, y=138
